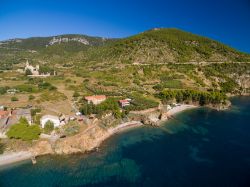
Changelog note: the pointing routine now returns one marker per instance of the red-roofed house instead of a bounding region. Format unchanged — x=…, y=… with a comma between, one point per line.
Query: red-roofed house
x=124, y=102
x=95, y=99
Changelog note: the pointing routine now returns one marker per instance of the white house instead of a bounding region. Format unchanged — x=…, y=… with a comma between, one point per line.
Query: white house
x=51, y=118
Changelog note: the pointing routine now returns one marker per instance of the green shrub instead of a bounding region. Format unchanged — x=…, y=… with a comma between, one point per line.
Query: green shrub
x=169, y=84
x=14, y=98
x=118, y=114
x=46, y=69
x=48, y=127
x=24, y=131
x=110, y=104
x=27, y=88
x=76, y=94
x=68, y=80
x=46, y=85
x=28, y=72
x=31, y=97
x=140, y=102
x=34, y=111
x=1, y=147
x=229, y=86
x=3, y=90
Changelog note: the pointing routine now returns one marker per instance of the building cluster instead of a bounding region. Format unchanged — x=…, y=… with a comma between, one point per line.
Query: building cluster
x=11, y=117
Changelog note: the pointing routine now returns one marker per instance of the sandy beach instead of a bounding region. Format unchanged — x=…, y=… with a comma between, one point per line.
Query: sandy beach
x=10, y=158
x=124, y=126
x=180, y=108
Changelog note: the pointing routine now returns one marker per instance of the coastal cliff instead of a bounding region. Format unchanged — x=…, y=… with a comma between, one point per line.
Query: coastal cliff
x=80, y=143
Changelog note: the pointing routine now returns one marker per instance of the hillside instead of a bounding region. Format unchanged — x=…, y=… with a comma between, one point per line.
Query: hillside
x=14, y=50
x=168, y=45
x=150, y=47
x=146, y=63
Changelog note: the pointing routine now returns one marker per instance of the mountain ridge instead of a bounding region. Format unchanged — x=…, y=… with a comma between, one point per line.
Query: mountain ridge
x=148, y=33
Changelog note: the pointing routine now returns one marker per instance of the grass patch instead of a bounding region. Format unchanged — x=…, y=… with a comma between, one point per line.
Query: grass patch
x=175, y=84
x=52, y=96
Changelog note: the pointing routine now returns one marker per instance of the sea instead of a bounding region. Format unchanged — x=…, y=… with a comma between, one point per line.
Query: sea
x=199, y=147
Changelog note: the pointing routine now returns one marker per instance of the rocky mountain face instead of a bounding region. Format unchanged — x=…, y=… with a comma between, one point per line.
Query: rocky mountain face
x=60, y=40
x=39, y=43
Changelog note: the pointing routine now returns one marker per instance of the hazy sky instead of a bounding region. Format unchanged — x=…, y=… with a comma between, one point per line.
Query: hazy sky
x=225, y=20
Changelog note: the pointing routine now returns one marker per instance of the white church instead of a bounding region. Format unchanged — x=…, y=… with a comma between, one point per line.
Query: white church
x=35, y=71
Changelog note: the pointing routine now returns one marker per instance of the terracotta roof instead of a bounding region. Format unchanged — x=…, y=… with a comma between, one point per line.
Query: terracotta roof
x=123, y=101
x=95, y=97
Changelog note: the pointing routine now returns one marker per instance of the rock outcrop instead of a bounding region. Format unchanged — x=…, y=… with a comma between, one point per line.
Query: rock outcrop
x=81, y=142
x=42, y=148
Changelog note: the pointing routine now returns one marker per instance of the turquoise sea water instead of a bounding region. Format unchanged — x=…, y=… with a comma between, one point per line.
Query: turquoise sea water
x=200, y=147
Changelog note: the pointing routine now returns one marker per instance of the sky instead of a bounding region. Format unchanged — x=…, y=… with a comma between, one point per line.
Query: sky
x=227, y=21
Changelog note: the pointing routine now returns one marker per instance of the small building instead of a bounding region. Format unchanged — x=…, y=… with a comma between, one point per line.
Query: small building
x=95, y=99
x=9, y=118
x=124, y=102
x=54, y=119
x=19, y=113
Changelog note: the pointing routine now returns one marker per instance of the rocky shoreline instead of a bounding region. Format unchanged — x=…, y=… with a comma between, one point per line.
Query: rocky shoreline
x=92, y=139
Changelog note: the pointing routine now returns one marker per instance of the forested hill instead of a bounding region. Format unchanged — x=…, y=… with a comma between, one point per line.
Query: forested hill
x=170, y=45
x=153, y=46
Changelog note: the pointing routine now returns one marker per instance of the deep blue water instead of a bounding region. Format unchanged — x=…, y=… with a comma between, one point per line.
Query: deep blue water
x=200, y=147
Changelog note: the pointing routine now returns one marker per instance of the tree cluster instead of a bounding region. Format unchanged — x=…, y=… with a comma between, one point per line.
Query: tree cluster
x=202, y=97
x=110, y=104
x=24, y=131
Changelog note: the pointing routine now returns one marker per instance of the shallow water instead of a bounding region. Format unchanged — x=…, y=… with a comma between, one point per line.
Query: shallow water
x=200, y=147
